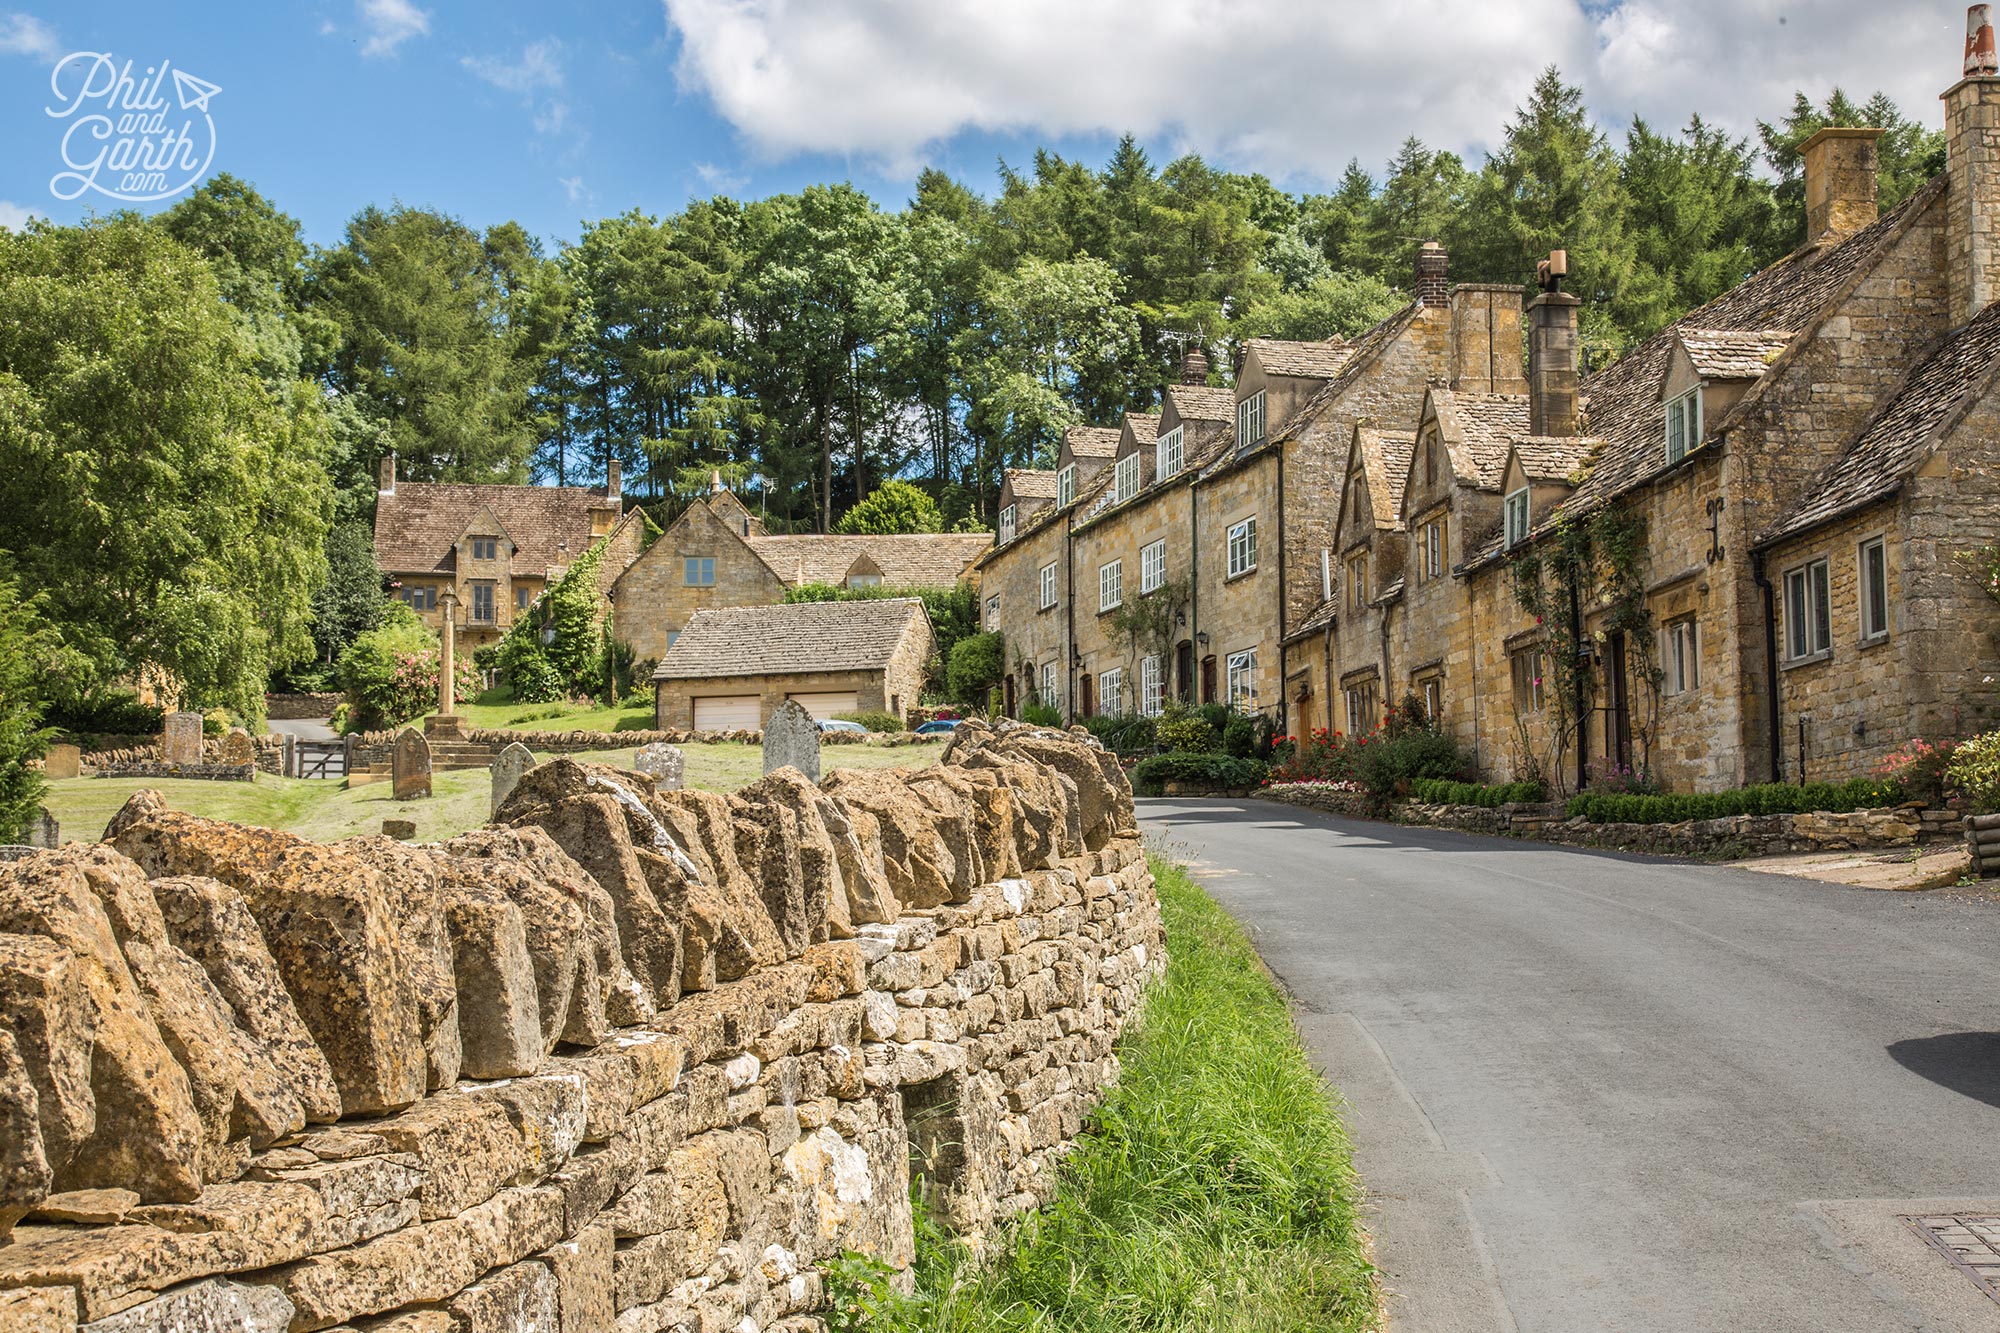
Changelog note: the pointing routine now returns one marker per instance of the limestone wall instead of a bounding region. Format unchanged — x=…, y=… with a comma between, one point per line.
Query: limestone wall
x=623, y=1059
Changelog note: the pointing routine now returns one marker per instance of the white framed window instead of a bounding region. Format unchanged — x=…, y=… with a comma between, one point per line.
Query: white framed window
x=1152, y=565
x=1433, y=692
x=1110, y=585
x=1126, y=478
x=864, y=580
x=1242, y=680
x=993, y=612
x=698, y=571
x=1007, y=517
x=1049, y=694
x=1434, y=549
x=1357, y=581
x=1517, y=517
x=1874, y=592
x=1808, y=611
x=1683, y=657
x=1048, y=585
x=1066, y=485
x=1111, y=692
x=1152, y=687
x=1242, y=547
x=1684, y=425
x=1527, y=663
x=1167, y=452
x=1250, y=420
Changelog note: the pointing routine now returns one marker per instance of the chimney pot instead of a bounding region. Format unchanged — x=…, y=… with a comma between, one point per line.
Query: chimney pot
x=1553, y=379
x=1194, y=366
x=1980, y=57
x=1433, y=279
x=1840, y=165
x=1972, y=161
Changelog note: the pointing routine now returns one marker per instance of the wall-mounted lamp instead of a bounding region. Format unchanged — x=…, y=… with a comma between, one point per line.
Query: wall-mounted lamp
x=1075, y=658
x=1202, y=638
x=1180, y=620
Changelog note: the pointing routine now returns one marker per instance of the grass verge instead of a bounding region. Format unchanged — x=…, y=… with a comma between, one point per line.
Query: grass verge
x=1215, y=1191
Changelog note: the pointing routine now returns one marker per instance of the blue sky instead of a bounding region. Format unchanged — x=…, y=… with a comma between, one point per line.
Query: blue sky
x=551, y=114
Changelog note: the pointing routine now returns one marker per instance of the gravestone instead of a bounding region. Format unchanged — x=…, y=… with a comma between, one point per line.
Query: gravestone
x=63, y=761
x=410, y=765
x=43, y=831
x=237, y=748
x=508, y=766
x=664, y=763
x=180, y=743
x=791, y=737
x=402, y=830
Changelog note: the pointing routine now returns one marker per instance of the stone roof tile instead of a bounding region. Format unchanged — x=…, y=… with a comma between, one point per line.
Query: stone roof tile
x=790, y=640
x=1304, y=360
x=418, y=525
x=915, y=560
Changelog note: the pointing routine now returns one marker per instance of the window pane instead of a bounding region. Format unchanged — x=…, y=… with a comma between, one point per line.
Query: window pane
x=1874, y=589
x=1795, y=614
x=1822, y=610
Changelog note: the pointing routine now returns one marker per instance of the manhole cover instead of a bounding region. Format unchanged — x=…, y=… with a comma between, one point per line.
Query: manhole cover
x=1970, y=1240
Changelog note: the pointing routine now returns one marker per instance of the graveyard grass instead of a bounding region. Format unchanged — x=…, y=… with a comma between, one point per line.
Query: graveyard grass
x=324, y=810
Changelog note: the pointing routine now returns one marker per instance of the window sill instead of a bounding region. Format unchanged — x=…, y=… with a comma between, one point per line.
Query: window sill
x=1242, y=575
x=1876, y=642
x=1044, y=610
x=1811, y=659
x=1107, y=610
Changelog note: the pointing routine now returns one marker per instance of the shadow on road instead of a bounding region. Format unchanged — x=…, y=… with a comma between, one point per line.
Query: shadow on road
x=1965, y=1062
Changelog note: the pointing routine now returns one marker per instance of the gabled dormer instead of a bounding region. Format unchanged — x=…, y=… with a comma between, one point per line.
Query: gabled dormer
x=1708, y=372
x=731, y=511
x=484, y=548
x=1086, y=451
x=1276, y=379
x=1457, y=468
x=1541, y=472
x=1131, y=463
x=1368, y=539
x=863, y=573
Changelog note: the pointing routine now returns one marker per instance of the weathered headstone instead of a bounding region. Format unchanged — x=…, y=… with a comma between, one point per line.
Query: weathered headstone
x=180, y=742
x=403, y=830
x=791, y=737
x=410, y=765
x=43, y=831
x=666, y=764
x=62, y=761
x=508, y=766
x=237, y=748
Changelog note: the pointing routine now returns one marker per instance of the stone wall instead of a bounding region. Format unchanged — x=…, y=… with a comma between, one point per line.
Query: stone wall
x=622, y=1060
x=286, y=706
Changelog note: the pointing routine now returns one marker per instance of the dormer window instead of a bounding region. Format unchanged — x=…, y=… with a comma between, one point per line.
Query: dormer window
x=1167, y=452
x=1684, y=425
x=1007, y=517
x=1250, y=420
x=1127, y=477
x=1066, y=486
x=485, y=548
x=864, y=580
x=1517, y=517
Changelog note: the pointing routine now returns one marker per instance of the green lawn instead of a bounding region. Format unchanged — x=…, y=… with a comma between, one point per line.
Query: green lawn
x=1214, y=1192
x=632, y=715
x=325, y=810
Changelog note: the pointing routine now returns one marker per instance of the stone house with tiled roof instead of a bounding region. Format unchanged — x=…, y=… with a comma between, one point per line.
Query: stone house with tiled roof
x=731, y=667
x=718, y=554
x=1023, y=492
x=494, y=548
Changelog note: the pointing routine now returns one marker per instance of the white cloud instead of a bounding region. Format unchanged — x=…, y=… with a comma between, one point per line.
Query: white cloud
x=539, y=66
x=390, y=23
x=574, y=187
x=26, y=35
x=1275, y=85
x=720, y=180
x=13, y=217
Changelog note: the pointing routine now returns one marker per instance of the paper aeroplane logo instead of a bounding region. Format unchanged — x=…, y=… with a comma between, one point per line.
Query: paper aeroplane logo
x=126, y=139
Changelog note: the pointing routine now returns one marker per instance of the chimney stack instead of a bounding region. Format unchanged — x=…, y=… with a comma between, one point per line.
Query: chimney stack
x=1433, y=281
x=614, y=477
x=387, y=484
x=1553, y=378
x=1486, y=338
x=1972, y=157
x=1840, y=182
x=1194, y=367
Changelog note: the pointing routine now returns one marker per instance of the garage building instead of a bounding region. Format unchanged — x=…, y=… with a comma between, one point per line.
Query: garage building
x=730, y=667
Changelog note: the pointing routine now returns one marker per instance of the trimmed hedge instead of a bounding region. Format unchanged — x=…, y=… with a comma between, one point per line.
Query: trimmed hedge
x=1444, y=791
x=1150, y=776
x=1771, y=798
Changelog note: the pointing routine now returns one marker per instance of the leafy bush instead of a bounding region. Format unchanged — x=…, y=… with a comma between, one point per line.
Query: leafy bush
x=873, y=721
x=1041, y=714
x=1150, y=776
x=390, y=673
x=976, y=664
x=1974, y=771
x=1128, y=733
x=25, y=641
x=1239, y=738
x=1919, y=769
x=106, y=712
x=1184, y=730
x=1770, y=798
x=530, y=675
x=1386, y=765
x=1216, y=715
x=1445, y=791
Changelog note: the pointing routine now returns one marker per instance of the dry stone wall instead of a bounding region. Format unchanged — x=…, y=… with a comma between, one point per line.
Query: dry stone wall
x=624, y=1059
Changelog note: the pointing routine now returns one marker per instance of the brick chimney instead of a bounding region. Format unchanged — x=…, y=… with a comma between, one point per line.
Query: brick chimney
x=1552, y=352
x=1433, y=278
x=1194, y=367
x=1972, y=157
x=614, y=477
x=1840, y=182
x=387, y=484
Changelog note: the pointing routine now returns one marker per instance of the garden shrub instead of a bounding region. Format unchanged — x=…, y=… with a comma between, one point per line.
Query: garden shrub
x=1770, y=798
x=1184, y=730
x=26, y=642
x=1974, y=771
x=1150, y=776
x=530, y=675
x=1239, y=738
x=390, y=673
x=1124, y=733
x=1041, y=715
x=105, y=712
x=872, y=720
x=1445, y=791
x=1919, y=769
x=1386, y=765
x=975, y=665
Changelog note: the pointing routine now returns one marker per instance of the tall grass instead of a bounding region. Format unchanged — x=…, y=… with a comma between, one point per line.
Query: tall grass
x=1214, y=1192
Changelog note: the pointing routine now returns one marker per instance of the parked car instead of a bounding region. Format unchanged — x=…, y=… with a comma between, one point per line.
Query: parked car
x=944, y=726
x=837, y=724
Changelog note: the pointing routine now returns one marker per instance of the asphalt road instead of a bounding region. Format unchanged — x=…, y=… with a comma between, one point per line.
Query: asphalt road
x=1591, y=1091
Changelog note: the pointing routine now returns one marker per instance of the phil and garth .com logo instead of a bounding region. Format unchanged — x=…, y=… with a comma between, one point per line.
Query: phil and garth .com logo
x=125, y=138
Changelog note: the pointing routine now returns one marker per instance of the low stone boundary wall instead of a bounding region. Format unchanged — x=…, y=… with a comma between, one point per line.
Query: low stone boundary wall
x=292, y=706
x=373, y=747
x=623, y=1060
x=1707, y=839
x=153, y=768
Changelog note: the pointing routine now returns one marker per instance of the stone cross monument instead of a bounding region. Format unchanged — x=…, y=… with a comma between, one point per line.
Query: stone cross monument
x=447, y=724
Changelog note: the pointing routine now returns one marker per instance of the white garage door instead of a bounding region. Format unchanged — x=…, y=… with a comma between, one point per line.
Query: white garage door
x=824, y=706
x=727, y=712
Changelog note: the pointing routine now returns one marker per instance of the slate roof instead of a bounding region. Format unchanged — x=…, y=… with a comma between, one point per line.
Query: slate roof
x=1092, y=441
x=418, y=525
x=1483, y=427
x=1031, y=483
x=1733, y=354
x=1928, y=403
x=1305, y=360
x=926, y=560
x=1385, y=461
x=791, y=640
x=1553, y=457
x=1316, y=620
x=1198, y=402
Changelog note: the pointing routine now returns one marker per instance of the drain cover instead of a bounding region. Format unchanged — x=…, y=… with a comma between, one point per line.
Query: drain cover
x=1970, y=1240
